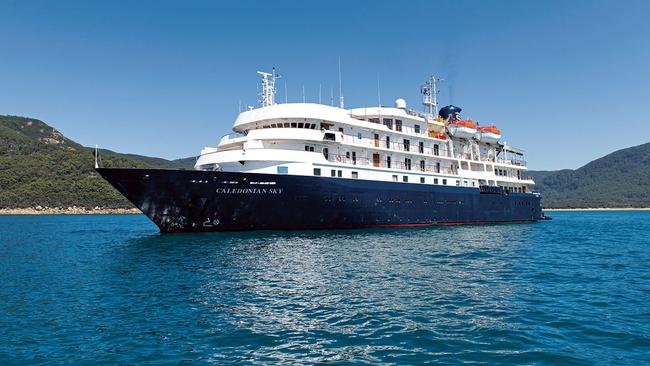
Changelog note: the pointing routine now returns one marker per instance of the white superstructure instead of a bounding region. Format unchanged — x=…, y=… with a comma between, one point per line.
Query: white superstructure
x=373, y=143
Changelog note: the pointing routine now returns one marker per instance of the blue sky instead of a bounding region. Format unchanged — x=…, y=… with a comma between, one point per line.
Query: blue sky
x=568, y=81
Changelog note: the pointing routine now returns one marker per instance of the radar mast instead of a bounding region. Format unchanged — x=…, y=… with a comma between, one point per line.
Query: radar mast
x=430, y=95
x=267, y=95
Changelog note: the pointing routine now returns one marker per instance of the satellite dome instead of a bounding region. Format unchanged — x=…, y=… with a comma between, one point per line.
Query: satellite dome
x=400, y=103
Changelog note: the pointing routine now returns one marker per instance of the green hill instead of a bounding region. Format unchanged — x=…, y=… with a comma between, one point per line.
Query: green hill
x=620, y=179
x=41, y=167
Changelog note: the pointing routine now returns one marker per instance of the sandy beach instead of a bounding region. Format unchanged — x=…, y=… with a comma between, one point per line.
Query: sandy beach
x=69, y=211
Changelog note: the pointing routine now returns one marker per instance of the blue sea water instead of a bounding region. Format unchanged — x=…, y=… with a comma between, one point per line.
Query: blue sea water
x=112, y=290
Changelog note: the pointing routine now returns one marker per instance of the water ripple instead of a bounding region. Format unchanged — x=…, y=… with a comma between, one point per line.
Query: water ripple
x=109, y=290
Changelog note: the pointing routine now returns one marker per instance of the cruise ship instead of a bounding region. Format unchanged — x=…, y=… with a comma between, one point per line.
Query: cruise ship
x=292, y=166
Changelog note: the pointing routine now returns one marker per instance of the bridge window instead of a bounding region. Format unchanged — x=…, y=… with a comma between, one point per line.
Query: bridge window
x=388, y=122
x=398, y=125
x=294, y=125
x=301, y=125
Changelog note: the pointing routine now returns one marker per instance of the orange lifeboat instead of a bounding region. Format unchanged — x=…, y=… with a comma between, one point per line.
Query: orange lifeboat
x=488, y=134
x=462, y=128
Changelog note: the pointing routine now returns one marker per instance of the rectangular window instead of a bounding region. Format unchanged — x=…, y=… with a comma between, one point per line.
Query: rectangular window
x=333, y=173
x=435, y=180
x=355, y=175
x=398, y=125
x=301, y=125
x=294, y=125
x=309, y=148
x=316, y=171
x=417, y=128
x=373, y=120
x=388, y=142
x=457, y=183
x=341, y=129
x=444, y=182
x=422, y=165
x=388, y=122
x=354, y=157
x=347, y=155
x=405, y=178
x=326, y=153
x=438, y=167
x=436, y=150
x=360, y=136
x=407, y=163
x=283, y=170
x=407, y=145
x=388, y=162
x=421, y=147
x=394, y=178
x=421, y=179
x=286, y=125
x=340, y=173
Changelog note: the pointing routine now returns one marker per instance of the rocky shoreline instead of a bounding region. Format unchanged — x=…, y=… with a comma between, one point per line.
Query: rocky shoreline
x=74, y=210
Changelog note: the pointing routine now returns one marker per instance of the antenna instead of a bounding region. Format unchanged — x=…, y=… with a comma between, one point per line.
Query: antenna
x=341, y=104
x=430, y=95
x=378, y=91
x=320, y=91
x=267, y=96
x=303, y=93
x=96, y=156
x=332, y=97
x=240, y=106
x=286, y=98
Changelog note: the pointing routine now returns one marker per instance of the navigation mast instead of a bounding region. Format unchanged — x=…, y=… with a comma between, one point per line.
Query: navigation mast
x=267, y=95
x=430, y=95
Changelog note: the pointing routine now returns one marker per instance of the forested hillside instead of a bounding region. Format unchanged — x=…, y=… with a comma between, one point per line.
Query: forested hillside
x=620, y=179
x=41, y=167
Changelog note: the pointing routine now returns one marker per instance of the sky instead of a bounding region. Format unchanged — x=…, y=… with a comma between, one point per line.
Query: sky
x=567, y=81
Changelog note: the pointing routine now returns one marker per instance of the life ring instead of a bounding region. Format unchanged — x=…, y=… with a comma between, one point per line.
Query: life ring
x=339, y=158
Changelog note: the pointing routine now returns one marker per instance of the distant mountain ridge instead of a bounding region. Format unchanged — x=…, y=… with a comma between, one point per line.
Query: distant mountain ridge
x=39, y=166
x=619, y=179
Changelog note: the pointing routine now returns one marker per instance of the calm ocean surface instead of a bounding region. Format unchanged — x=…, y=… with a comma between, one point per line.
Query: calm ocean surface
x=111, y=290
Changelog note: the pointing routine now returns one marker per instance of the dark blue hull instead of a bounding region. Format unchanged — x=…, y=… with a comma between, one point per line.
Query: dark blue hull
x=187, y=200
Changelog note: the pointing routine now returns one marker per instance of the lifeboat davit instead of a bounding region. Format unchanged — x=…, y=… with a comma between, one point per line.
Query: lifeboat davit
x=462, y=128
x=488, y=134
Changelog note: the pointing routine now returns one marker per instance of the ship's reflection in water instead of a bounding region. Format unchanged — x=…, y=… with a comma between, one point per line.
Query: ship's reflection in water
x=373, y=296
